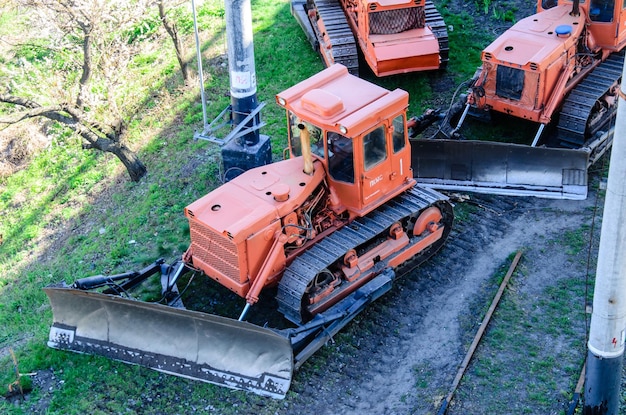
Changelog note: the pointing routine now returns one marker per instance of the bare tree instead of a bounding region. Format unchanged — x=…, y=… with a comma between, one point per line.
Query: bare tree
x=98, y=136
x=92, y=33
x=179, y=46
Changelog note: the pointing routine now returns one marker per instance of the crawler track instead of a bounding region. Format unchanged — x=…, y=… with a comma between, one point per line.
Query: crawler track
x=341, y=47
x=435, y=21
x=578, y=120
x=330, y=250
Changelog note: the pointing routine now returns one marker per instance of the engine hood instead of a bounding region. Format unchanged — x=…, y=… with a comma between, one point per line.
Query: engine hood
x=254, y=199
x=535, y=41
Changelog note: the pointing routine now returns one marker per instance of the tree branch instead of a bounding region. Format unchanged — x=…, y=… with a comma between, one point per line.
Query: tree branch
x=179, y=47
x=24, y=102
x=35, y=112
x=92, y=24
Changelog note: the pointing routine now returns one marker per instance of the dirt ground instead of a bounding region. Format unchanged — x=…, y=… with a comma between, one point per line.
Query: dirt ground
x=401, y=355
x=406, y=351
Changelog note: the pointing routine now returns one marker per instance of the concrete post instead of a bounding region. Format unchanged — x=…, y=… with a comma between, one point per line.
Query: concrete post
x=253, y=149
x=242, y=71
x=608, y=321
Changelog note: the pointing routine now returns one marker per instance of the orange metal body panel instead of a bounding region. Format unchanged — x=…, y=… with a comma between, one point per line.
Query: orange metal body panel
x=394, y=53
x=532, y=46
x=427, y=241
x=363, y=107
x=607, y=26
x=233, y=227
x=414, y=50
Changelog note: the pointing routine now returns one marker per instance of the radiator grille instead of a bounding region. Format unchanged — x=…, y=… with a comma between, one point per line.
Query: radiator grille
x=388, y=22
x=215, y=250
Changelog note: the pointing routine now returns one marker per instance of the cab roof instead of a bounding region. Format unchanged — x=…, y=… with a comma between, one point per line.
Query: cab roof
x=334, y=98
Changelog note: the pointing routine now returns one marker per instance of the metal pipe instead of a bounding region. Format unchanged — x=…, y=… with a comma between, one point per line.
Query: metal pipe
x=305, y=145
x=199, y=59
x=267, y=268
x=576, y=8
x=461, y=120
x=536, y=139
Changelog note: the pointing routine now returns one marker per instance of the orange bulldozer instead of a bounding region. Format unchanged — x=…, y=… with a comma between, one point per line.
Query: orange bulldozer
x=325, y=232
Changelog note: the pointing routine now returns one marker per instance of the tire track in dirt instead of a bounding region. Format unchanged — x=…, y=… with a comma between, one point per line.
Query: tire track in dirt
x=409, y=346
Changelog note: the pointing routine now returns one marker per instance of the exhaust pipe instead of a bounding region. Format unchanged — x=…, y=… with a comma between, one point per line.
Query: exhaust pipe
x=305, y=144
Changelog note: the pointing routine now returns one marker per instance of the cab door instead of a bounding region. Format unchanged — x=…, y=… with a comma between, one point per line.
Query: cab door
x=376, y=170
x=401, y=152
x=621, y=25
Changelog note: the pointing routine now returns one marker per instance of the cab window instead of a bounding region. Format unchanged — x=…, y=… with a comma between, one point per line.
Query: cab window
x=374, y=148
x=399, y=139
x=601, y=10
x=340, y=158
x=548, y=4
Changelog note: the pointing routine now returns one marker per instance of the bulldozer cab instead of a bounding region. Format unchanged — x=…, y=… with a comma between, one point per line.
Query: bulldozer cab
x=363, y=168
x=607, y=19
x=357, y=130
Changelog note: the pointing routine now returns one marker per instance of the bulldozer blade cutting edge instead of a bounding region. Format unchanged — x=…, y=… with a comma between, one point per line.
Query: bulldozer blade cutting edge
x=501, y=168
x=190, y=344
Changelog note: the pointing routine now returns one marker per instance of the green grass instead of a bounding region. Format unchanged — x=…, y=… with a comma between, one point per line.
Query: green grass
x=577, y=241
x=467, y=41
x=509, y=351
x=88, y=195
x=66, y=187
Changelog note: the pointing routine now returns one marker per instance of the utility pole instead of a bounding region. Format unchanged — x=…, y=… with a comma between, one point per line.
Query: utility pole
x=608, y=321
x=251, y=149
x=244, y=147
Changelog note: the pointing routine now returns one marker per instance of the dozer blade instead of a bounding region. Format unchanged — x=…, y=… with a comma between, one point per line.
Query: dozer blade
x=501, y=168
x=185, y=343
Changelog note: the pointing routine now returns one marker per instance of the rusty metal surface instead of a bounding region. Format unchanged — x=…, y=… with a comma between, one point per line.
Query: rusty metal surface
x=323, y=256
x=185, y=343
x=500, y=168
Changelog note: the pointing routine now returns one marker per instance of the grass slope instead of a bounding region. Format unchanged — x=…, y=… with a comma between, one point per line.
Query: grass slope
x=73, y=213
